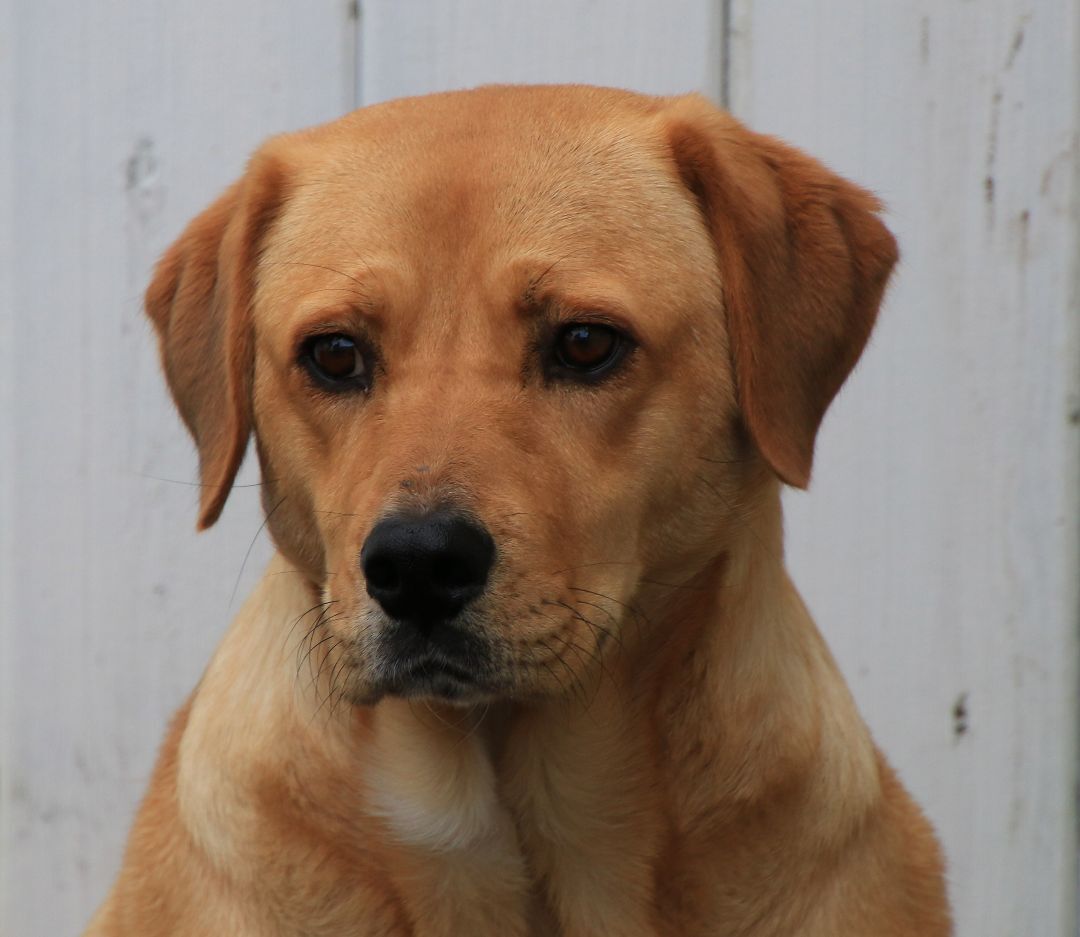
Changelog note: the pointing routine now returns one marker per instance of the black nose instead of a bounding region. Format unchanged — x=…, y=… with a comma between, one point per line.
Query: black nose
x=425, y=569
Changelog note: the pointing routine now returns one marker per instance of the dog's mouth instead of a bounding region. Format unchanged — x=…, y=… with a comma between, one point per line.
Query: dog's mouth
x=445, y=664
x=433, y=676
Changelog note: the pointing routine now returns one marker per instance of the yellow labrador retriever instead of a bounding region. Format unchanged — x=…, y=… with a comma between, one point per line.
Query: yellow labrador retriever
x=525, y=369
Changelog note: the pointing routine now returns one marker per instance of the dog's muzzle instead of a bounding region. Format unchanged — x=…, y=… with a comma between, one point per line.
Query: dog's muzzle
x=423, y=571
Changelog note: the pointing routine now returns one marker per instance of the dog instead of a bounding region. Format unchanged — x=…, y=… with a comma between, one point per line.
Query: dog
x=526, y=369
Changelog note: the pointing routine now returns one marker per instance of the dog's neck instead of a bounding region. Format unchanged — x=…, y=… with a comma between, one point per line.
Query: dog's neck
x=727, y=704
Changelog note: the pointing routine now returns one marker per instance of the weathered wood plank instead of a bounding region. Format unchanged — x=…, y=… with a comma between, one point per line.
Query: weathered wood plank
x=129, y=119
x=429, y=45
x=7, y=436
x=939, y=545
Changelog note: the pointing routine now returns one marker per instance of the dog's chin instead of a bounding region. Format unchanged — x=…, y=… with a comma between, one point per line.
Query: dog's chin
x=426, y=678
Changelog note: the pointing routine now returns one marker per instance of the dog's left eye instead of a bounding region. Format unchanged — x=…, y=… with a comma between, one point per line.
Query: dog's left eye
x=336, y=360
x=588, y=349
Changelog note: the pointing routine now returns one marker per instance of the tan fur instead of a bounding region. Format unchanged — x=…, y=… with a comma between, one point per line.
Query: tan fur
x=674, y=751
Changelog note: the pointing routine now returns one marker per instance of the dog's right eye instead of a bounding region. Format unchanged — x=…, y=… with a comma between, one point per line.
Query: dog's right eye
x=587, y=351
x=336, y=361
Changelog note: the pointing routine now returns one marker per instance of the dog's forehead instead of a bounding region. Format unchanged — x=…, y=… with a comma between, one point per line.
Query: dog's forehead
x=493, y=138
x=488, y=174
x=459, y=202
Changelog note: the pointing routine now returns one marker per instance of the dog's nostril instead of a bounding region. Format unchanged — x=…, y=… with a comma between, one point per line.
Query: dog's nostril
x=425, y=570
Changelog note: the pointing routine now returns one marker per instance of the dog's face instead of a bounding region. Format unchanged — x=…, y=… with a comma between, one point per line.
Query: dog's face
x=509, y=357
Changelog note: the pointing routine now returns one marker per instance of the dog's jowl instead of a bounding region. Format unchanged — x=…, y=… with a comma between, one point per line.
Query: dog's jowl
x=525, y=370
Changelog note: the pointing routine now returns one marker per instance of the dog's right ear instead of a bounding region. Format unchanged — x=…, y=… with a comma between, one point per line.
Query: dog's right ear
x=200, y=303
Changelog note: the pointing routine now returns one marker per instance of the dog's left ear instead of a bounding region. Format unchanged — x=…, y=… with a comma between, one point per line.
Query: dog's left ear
x=200, y=303
x=803, y=261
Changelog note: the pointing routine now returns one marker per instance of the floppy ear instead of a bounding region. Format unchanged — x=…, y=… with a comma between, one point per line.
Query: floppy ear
x=200, y=303
x=803, y=261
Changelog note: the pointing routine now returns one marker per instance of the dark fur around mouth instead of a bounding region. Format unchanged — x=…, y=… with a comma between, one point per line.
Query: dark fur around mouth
x=443, y=661
x=435, y=678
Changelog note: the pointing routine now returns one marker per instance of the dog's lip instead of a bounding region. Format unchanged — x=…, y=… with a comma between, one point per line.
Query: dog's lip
x=433, y=675
x=445, y=662
x=434, y=665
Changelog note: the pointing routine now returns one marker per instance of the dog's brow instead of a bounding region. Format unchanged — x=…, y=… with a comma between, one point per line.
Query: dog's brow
x=359, y=287
x=535, y=282
x=329, y=269
x=530, y=301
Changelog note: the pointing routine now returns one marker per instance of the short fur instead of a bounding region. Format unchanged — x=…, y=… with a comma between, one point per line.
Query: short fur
x=671, y=749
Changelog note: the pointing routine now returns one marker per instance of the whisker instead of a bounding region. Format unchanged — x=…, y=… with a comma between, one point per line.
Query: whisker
x=437, y=716
x=339, y=681
x=292, y=628
x=314, y=677
x=597, y=629
x=177, y=481
x=251, y=546
x=534, y=283
x=568, y=670
x=298, y=572
x=575, y=687
x=536, y=663
x=332, y=289
x=673, y=585
x=330, y=690
x=319, y=623
x=600, y=636
x=570, y=569
x=476, y=725
x=633, y=609
x=340, y=273
x=711, y=461
x=600, y=608
x=322, y=668
x=740, y=517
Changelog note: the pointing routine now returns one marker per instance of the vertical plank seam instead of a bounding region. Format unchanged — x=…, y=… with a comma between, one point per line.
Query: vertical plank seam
x=357, y=19
x=7, y=443
x=1072, y=471
x=725, y=54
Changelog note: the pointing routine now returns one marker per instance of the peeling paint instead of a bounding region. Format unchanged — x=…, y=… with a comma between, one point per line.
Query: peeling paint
x=1017, y=42
x=1023, y=237
x=142, y=181
x=1055, y=184
x=991, y=152
x=960, y=716
x=141, y=167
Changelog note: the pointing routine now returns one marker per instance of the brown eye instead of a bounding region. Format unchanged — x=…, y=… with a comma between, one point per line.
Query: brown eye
x=336, y=360
x=588, y=347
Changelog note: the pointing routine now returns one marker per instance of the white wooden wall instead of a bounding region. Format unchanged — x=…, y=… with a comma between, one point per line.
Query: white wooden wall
x=129, y=116
x=939, y=547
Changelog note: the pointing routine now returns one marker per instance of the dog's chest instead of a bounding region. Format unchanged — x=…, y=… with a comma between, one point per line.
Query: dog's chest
x=563, y=820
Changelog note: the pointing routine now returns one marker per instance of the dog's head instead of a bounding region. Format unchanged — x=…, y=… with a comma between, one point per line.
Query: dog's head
x=508, y=355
